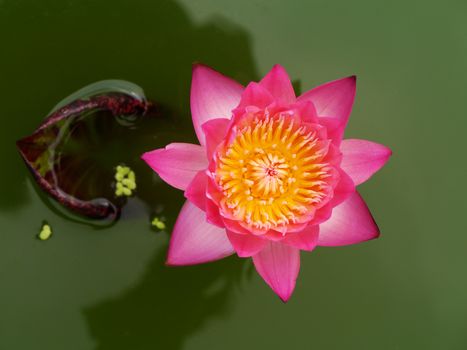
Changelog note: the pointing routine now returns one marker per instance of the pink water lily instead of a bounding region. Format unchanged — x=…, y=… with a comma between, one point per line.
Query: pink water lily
x=271, y=176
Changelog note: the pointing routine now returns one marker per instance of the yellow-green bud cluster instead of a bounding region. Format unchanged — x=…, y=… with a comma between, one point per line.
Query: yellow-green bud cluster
x=158, y=223
x=126, y=181
x=45, y=233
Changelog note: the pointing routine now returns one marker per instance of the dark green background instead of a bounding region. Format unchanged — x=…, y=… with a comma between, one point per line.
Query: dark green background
x=108, y=289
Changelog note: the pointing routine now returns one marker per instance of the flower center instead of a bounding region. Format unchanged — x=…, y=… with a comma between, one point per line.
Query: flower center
x=272, y=173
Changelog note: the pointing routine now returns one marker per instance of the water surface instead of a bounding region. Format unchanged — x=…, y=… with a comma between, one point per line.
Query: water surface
x=94, y=288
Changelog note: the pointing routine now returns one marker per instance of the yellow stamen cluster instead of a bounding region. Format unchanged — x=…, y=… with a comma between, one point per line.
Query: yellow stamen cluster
x=45, y=233
x=272, y=173
x=126, y=181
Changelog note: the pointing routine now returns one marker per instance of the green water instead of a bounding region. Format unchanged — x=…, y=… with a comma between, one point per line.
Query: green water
x=91, y=288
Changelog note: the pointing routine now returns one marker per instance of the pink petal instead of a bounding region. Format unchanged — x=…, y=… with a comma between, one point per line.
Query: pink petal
x=323, y=214
x=279, y=265
x=274, y=236
x=333, y=99
x=234, y=226
x=177, y=163
x=307, y=112
x=213, y=95
x=196, y=190
x=334, y=127
x=361, y=158
x=351, y=222
x=212, y=214
x=255, y=95
x=334, y=155
x=214, y=131
x=213, y=191
x=344, y=189
x=246, y=245
x=306, y=239
x=194, y=241
x=277, y=82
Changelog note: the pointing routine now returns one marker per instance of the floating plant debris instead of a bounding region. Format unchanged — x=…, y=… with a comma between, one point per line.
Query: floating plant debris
x=158, y=223
x=65, y=154
x=126, y=181
x=45, y=233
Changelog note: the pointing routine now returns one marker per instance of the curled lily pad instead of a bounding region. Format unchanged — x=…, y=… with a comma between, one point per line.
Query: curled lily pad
x=66, y=150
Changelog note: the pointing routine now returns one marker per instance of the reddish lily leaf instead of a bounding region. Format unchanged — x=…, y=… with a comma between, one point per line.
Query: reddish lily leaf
x=54, y=152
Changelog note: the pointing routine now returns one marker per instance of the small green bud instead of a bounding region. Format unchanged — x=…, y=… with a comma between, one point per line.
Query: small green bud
x=45, y=232
x=156, y=222
x=125, y=170
x=129, y=183
x=126, y=191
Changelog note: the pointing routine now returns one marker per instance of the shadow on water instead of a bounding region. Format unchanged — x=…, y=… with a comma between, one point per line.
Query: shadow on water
x=166, y=306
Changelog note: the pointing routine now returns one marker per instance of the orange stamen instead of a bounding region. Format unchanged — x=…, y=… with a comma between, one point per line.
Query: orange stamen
x=272, y=173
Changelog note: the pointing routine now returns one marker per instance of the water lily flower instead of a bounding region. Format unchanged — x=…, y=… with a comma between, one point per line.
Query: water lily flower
x=272, y=175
